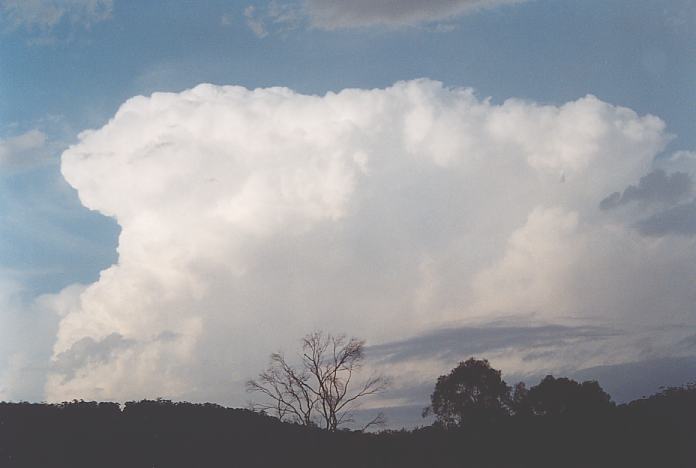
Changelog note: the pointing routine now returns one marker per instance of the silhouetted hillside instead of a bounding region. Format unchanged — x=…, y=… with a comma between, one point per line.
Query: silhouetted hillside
x=654, y=432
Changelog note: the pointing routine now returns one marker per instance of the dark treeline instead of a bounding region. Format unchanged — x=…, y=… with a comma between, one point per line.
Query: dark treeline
x=658, y=431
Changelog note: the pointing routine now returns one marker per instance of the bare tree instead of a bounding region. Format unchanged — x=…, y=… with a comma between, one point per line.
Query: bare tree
x=324, y=391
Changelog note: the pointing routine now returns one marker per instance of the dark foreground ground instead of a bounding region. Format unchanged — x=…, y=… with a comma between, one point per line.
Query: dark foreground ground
x=656, y=432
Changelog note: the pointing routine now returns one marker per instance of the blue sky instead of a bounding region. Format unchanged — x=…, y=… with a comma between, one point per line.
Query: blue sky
x=70, y=77
x=65, y=68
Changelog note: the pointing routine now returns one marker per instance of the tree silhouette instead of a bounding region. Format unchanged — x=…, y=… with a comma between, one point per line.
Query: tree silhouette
x=472, y=392
x=554, y=396
x=519, y=400
x=323, y=391
x=651, y=432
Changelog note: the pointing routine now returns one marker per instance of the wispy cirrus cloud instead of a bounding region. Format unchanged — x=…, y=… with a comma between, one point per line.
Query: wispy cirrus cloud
x=274, y=17
x=331, y=15
x=43, y=16
x=23, y=151
x=338, y=14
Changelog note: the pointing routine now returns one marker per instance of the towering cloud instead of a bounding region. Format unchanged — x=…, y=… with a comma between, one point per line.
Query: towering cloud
x=250, y=217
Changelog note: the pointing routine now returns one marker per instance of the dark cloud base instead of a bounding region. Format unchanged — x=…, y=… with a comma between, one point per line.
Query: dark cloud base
x=460, y=343
x=624, y=382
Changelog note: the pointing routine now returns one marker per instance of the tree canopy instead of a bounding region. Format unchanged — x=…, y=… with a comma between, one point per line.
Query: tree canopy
x=474, y=392
x=555, y=396
x=471, y=392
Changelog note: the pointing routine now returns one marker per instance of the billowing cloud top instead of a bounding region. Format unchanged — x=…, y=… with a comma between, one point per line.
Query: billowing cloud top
x=250, y=217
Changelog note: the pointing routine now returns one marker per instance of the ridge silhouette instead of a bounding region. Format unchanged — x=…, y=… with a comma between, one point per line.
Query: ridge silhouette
x=657, y=431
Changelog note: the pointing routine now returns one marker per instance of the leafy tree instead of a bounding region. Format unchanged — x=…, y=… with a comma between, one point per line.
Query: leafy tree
x=472, y=392
x=554, y=396
x=324, y=390
x=519, y=400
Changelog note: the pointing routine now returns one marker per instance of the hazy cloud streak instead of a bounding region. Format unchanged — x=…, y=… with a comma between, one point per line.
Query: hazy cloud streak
x=338, y=14
x=46, y=14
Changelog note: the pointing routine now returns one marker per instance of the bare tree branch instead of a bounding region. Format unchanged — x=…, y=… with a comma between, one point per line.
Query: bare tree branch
x=319, y=392
x=379, y=420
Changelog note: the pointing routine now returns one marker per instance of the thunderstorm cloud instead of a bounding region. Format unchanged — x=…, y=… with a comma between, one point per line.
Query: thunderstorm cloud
x=250, y=217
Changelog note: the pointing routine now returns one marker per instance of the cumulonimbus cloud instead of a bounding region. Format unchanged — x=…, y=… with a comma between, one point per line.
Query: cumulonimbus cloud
x=250, y=217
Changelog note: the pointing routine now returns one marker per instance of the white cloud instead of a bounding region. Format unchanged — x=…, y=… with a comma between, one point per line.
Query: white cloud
x=46, y=14
x=250, y=217
x=680, y=161
x=227, y=19
x=255, y=23
x=27, y=332
x=274, y=17
x=22, y=151
x=338, y=14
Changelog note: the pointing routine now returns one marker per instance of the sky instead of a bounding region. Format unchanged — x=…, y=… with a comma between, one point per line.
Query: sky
x=188, y=186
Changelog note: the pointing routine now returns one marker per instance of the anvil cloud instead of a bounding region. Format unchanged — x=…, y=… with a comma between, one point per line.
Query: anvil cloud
x=250, y=217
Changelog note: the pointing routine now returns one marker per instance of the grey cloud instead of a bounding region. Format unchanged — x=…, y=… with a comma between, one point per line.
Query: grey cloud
x=655, y=187
x=23, y=151
x=688, y=343
x=273, y=18
x=255, y=23
x=329, y=15
x=397, y=417
x=629, y=381
x=625, y=381
x=339, y=14
x=659, y=188
x=679, y=220
x=88, y=350
x=168, y=336
x=461, y=343
x=682, y=161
